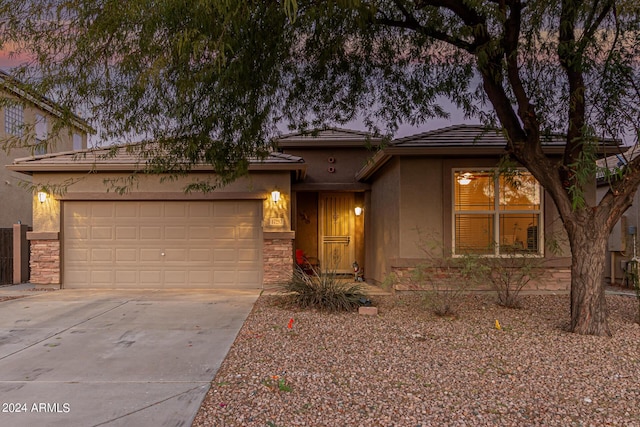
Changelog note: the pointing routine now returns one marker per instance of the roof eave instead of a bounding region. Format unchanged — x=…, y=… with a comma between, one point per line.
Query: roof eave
x=31, y=167
x=49, y=106
x=383, y=156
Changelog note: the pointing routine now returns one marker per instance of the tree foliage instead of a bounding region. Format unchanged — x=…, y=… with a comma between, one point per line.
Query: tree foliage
x=213, y=81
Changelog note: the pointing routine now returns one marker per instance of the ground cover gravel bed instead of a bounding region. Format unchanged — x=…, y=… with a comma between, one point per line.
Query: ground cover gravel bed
x=406, y=367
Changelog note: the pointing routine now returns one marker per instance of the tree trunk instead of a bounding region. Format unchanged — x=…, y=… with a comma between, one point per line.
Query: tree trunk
x=588, y=303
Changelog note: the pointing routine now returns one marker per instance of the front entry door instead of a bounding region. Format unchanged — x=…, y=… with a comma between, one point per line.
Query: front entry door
x=336, y=232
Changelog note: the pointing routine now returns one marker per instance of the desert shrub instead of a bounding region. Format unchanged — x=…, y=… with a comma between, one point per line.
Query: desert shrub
x=324, y=291
x=442, y=277
x=510, y=273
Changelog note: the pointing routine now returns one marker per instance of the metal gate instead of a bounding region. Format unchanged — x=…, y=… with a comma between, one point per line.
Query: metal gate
x=6, y=256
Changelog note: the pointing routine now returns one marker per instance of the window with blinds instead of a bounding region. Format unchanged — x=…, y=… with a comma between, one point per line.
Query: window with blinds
x=496, y=213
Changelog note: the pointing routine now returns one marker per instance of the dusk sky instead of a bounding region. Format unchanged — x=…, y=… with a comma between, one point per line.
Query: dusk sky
x=8, y=61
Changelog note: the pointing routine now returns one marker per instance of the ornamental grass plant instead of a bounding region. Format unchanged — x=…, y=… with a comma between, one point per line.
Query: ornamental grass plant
x=325, y=291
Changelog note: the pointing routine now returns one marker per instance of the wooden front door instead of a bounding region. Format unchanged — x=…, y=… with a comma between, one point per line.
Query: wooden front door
x=336, y=232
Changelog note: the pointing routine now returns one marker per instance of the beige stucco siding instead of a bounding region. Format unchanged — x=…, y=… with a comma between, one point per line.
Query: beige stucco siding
x=382, y=243
x=332, y=165
x=81, y=186
x=421, y=208
x=15, y=195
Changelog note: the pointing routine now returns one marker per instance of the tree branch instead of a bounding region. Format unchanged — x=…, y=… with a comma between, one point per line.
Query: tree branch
x=570, y=59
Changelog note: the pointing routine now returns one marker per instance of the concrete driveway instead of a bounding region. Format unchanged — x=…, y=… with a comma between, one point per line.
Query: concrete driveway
x=113, y=358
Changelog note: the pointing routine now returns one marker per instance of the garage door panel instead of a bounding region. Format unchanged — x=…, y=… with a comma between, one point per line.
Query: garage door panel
x=150, y=255
x=73, y=275
x=150, y=277
x=106, y=211
x=101, y=233
x=77, y=232
x=102, y=255
x=249, y=276
x=126, y=255
x=200, y=233
x=200, y=210
x=126, y=210
x=246, y=233
x=176, y=255
x=200, y=277
x=224, y=232
x=200, y=255
x=248, y=255
x=173, y=278
x=175, y=233
x=150, y=210
x=102, y=277
x=79, y=255
x=225, y=277
x=126, y=278
x=127, y=233
x=224, y=255
x=205, y=244
x=175, y=210
x=151, y=233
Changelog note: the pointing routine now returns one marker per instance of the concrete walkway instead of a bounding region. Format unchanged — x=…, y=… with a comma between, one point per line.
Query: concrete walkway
x=113, y=358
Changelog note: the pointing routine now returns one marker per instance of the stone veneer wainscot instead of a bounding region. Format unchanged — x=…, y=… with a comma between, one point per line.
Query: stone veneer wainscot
x=45, y=258
x=277, y=255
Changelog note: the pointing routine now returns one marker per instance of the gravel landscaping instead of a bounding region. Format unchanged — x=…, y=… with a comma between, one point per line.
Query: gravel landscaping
x=406, y=367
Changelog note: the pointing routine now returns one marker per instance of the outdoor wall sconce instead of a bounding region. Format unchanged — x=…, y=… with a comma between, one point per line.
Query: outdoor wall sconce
x=275, y=196
x=42, y=196
x=358, y=210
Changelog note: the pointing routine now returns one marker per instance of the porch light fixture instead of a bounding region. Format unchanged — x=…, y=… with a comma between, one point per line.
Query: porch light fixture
x=465, y=179
x=42, y=196
x=358, y=210
x=275, y=196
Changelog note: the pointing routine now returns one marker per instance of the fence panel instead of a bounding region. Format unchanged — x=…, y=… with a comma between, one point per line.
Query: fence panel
x=6, y=256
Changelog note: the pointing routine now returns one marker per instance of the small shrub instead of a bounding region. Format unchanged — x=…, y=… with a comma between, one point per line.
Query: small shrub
x=442, y=277
x=510, y=273
x=323, y=291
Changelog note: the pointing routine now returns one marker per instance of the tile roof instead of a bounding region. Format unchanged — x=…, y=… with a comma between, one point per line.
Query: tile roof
x=14, y=86
x=328, y=137
x=459, y=140
x=127, y=158
x=473, y=135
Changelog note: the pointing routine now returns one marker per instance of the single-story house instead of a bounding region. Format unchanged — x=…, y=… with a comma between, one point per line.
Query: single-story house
x=344, y=197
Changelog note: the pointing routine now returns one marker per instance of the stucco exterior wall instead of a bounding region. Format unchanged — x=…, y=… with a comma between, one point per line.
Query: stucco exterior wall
x=276, y=222
x=382, y=218
x=82, y=186
x=412, y=193
x=332, y=165
x=421, y=194
x=16, y=199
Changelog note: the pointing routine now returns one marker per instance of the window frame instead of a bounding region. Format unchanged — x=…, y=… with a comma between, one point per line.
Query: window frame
x=496, y=213
x=14, y=119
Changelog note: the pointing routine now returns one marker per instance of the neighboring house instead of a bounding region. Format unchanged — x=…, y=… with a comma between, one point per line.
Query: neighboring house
x=623, y=240
x=31, y=117
x=156, y=236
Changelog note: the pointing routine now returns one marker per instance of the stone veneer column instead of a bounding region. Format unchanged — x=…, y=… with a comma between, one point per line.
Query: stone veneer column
x=45, y=258
x=277, y=255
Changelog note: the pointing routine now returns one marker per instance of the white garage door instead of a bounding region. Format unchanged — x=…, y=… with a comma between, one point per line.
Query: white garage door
x=153, y=245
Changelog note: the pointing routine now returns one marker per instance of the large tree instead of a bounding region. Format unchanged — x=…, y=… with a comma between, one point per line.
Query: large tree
x=213, y=80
